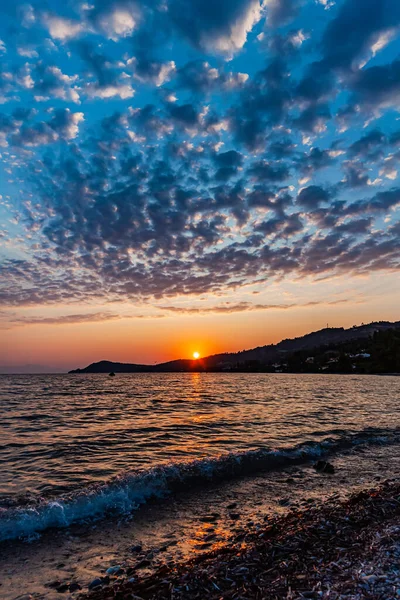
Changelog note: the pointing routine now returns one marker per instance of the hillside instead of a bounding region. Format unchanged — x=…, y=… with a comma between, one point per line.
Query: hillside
x=272, y=357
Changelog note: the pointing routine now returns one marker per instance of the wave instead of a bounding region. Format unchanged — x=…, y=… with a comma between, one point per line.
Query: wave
x=128, y=491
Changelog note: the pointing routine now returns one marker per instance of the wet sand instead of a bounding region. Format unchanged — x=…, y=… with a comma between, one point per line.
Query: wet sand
x=182, y=527
x=347, y=549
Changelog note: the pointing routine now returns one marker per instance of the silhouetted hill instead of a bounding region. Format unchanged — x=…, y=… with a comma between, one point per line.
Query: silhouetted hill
x=256, y=359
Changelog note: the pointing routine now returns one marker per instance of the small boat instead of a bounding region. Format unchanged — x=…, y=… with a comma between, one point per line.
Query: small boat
x=112, y=374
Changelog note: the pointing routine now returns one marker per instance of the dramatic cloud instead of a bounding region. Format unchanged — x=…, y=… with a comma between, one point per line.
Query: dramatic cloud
x=160, y=149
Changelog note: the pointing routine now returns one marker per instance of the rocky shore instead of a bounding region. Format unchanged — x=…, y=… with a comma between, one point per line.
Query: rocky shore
x=347, y=549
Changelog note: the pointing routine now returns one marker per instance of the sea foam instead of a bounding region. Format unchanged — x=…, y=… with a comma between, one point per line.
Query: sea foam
x=126, y=492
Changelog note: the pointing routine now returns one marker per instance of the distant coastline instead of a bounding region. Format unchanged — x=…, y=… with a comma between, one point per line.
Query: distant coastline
x=373, y=348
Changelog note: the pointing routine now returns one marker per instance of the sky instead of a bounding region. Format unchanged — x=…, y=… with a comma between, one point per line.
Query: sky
x=181, y=176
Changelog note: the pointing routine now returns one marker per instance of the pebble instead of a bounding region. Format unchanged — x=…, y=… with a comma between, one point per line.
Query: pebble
x=210, y=518
x=284, y=502
x=137, y=548
x=95, y=583
x=62, y=588
x=370, y=579
x=324, y=467
x=53, y=584
x=143, y=563
x=117, y=570
x=74, y=587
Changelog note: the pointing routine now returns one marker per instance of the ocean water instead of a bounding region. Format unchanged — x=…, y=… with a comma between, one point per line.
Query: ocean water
x=76, y=447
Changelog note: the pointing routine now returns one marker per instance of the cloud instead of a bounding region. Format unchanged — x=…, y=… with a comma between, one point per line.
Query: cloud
x=104, y=77
x=265, y=171
x=378, y=86
x=152, y=71
x=229, y=307
x=50, y=82
x=61, y=28
x=200, y=77
x=153, y=150
x=219, y=27
x=312, y=196
x=120, y=90
x=281, y=11
x=63, y=125
x=368, y=145
x=73, y=319
x=119, y=21
x=350, y=37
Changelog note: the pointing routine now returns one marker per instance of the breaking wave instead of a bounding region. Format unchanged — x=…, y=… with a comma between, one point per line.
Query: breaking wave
x=128, y=491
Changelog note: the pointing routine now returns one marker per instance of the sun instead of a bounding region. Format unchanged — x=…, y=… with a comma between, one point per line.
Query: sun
x=196, y=355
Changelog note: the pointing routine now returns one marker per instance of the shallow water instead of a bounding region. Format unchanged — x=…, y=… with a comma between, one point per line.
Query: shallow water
x=189, y=523
x=76, y=446
x=63, y=431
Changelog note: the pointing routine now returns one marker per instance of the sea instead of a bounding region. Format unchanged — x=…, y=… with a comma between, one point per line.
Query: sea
x=93, y=463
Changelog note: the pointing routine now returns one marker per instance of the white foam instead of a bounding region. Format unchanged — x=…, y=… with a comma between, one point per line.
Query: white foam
x=128, y=491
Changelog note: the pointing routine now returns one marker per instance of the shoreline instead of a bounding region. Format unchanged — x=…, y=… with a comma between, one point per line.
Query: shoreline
x=336, y=549
x=184, y=529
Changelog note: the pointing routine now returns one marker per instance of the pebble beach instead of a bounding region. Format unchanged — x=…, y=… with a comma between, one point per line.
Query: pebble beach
x=348, y=549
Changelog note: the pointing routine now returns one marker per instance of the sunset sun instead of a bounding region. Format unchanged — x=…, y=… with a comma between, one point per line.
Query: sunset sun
x=196, y=355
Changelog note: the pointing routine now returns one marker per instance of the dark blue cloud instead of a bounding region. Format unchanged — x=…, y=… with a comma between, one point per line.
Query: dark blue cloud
x=350, y=35
x=312, y=196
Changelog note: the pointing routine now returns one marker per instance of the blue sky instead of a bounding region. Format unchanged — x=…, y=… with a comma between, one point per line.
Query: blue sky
x=165, y=159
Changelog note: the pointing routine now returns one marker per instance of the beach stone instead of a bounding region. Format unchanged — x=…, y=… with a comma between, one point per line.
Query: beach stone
x=53, y=584
x=62, y=588
x=24, y=597
x=324, y=467
x=95, y=583
x=234, y=516
x=74, y=587
x=210, y=518
x=117, y=570
x=232, y=506
x=137, y=548
x=143, y=563
x=370, y=579
x=284, y=502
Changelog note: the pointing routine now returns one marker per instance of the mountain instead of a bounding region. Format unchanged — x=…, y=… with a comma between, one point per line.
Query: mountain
x=261, y=358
